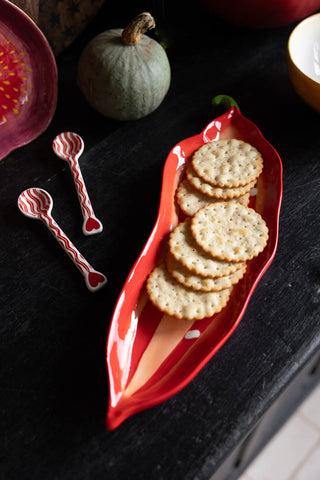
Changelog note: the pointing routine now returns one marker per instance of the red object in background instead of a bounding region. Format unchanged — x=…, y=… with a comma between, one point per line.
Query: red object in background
x=149, y=357
x=262, y=13
x=28, y=79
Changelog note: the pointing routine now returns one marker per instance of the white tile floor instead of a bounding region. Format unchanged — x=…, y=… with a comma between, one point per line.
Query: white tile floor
x=294, y=452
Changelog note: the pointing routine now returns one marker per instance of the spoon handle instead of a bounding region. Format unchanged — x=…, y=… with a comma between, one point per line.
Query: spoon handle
x=94, y=280
x=91, y=224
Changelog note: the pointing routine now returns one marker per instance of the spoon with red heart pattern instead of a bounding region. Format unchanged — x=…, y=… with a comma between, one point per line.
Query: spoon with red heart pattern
x=37, y=203
x=69, y=146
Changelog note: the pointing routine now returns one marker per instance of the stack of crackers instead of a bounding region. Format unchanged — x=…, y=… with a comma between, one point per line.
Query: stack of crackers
x=209, y=250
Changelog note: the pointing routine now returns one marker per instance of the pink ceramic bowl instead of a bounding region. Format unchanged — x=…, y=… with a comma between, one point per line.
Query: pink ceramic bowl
x=28, y=79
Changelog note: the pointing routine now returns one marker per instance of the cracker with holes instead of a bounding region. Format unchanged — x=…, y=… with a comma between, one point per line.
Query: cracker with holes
x=191, y=200
x=173, y=298
x=198, y=282
x=227, y=163
x=208, y=251
x=230, y=231
x=186, y=251
x=222, y=193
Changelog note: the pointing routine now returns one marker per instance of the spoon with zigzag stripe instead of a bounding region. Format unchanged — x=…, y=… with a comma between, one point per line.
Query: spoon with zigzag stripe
x=69, y=146
x=37, y=203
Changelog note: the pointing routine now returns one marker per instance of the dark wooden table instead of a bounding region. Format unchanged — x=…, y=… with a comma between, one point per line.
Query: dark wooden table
x=54, y=385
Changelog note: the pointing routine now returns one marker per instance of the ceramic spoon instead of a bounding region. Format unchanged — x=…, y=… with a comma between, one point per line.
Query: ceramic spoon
x=37, y=204
x=69, y=146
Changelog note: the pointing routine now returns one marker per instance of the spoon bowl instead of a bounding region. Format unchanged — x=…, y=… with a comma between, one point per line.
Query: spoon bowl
x=68, y=144
x=35, y=203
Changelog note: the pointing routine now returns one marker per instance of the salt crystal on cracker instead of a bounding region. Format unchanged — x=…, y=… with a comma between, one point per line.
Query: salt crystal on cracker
x=227, y=163
x=175, y=299
x=229, y=231
x=191, y=200
x=198, y=282
x=185, y=249
x=224, y=193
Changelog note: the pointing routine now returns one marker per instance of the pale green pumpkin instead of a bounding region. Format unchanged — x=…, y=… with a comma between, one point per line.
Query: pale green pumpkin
x=125, y=74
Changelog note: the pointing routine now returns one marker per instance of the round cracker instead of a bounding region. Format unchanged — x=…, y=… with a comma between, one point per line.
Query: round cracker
x=191, y=200
x=186, y=250
x=223, y=193
x=227, y=163
x=197, y=282
x=173, y=298
x=230, y=231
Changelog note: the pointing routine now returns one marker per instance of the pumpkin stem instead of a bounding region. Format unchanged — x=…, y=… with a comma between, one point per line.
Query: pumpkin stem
x=131, y=35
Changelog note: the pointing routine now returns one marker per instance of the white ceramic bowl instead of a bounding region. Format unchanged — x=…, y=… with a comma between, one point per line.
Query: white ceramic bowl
x=303, y=58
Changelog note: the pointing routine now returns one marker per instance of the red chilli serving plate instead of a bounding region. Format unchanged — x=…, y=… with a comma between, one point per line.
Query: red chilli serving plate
x=28, y=79
x=150, y=355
